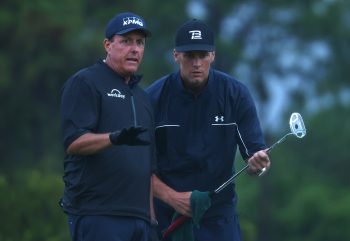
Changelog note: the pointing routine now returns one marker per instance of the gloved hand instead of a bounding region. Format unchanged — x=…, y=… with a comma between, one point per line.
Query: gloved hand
x=128, y=136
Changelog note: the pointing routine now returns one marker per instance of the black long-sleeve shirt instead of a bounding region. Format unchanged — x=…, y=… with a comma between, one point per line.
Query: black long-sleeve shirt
x=115, y=181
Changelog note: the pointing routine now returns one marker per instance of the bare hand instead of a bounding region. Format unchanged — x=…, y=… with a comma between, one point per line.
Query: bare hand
x=259, y=161
x=181, y=202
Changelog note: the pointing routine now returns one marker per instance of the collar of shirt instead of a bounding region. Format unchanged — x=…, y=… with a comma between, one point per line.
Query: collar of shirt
x=134, y=79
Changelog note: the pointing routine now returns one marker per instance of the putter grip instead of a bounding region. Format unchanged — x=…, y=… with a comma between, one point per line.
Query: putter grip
x=179, y=221
x=174, y=225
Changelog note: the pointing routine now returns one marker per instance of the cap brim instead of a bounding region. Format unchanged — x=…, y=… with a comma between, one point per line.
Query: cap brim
x=195, y=47
x=145, y=31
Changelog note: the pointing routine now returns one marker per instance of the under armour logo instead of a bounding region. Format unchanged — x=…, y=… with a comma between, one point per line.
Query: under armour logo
x=196, y=34
x=219, y=118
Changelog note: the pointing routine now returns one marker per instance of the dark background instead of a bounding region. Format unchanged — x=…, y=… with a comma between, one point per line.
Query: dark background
x=293, y=55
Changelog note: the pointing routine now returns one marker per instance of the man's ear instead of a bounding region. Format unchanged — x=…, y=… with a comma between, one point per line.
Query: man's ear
x=212, y=57
x=106, y=44
x=176, y=56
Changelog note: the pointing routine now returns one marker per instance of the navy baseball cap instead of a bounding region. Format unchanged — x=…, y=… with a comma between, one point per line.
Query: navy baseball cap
x=126, y=22
x=194, y=35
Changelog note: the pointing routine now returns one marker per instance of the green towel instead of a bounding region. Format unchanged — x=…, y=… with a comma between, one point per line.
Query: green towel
x=200, y=202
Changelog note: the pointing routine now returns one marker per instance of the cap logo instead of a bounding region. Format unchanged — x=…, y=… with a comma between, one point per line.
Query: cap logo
x=196, y=34
x=132, y=20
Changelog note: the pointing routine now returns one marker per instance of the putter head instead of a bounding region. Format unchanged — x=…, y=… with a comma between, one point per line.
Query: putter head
x=297, y=126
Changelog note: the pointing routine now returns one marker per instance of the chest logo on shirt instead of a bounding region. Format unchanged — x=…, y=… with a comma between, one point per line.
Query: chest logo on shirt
x=219, y=118
x=116, y=93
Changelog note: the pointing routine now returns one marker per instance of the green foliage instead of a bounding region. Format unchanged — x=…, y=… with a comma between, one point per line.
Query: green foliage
x=306, y=193
x=29, y=207
x=34, y=54
x=248, y=230
x=303, y=197
x=327, y=143
x=314, y=212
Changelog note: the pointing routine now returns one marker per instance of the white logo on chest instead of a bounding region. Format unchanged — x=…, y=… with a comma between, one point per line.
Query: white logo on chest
x=219, y=118
x=116, y=93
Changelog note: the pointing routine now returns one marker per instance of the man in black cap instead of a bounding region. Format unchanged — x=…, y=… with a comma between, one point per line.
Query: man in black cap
x=202, y=115
x=108, y=135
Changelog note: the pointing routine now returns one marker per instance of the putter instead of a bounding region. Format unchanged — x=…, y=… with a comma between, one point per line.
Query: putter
x=297, y=128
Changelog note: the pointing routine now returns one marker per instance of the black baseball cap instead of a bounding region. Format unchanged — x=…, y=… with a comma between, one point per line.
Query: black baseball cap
x=126, y=22
x=194, y=35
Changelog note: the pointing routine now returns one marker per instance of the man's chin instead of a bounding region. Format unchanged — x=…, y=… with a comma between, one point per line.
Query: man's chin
x=197, y=81
x=132, y=70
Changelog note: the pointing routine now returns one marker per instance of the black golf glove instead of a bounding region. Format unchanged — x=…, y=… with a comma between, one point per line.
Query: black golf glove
x=128, y=136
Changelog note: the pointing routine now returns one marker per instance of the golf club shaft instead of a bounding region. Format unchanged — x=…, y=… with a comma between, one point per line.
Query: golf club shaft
x=229, y=181
x=278, y=142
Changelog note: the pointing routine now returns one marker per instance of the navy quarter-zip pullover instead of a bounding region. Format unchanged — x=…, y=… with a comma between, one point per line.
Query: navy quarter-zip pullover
x=197, y=135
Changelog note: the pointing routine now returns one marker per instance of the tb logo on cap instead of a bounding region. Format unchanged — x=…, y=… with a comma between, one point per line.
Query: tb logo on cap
x=196, y=34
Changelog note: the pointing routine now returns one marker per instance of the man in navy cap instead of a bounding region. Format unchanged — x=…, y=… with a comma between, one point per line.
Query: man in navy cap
x=108, y=135
x=202, y=116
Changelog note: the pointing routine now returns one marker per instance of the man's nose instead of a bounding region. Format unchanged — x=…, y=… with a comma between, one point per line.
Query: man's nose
x=135, y=47
x=196, y=61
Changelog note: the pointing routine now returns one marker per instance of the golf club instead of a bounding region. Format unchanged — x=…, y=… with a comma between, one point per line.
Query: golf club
x=297, y=128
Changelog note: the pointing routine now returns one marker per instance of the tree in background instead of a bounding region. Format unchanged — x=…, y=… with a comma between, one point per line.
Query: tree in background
x=292, y=55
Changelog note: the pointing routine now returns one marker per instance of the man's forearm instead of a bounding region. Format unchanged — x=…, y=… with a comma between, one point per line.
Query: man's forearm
x=180, y=201
x=161, y=190
x=89, y=143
